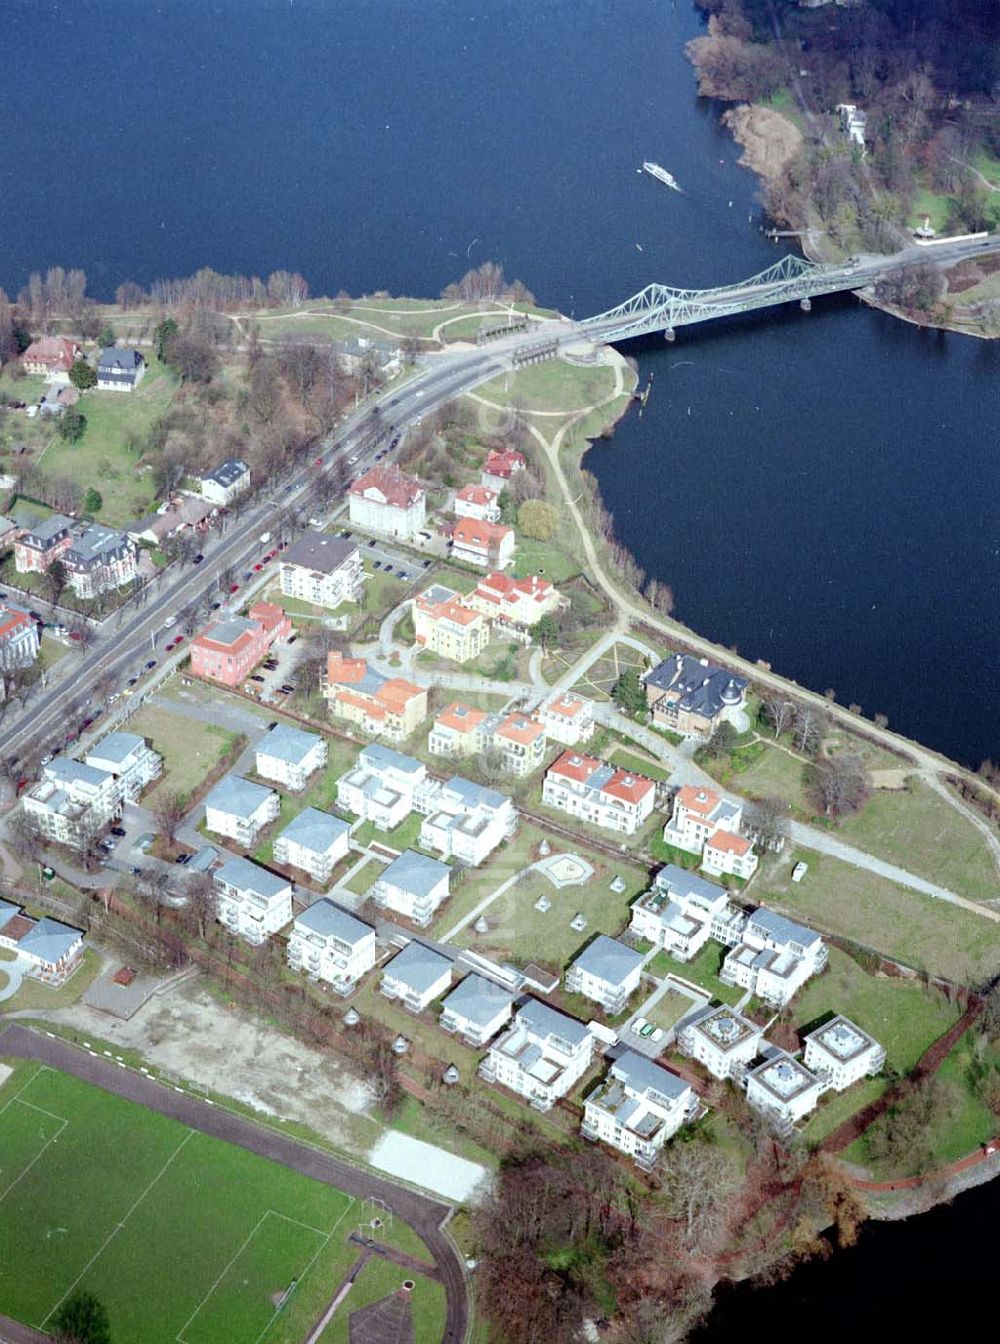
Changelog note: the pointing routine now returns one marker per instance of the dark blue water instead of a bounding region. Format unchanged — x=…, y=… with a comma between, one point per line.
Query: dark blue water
x=820, y=490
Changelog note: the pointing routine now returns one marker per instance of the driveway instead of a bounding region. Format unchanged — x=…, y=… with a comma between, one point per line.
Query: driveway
x=15, y=971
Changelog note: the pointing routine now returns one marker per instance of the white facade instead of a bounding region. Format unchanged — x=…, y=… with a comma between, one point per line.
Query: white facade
x=568, y=719
x=468, y=822
x=387, y=502
x=782, y=1090
x=330, y=944
x=541, y=1057
x=314, y=842
x=322, y=569
x=775, y=958
x=227, y=482
x=477, y=501
x=638, y=1108
x=705, y=823
x=289, y=756
x=841, y=1054
x=19, y=639
x=130, y=759
x=723, y=1040
x=679, y=912
x=250, y=901
x=72, y=802
x=382, y=787
x=416, y=977
x=240, y=809
x=606, y=971
x=476, y=1010
x=598, y=793
x=414, y=886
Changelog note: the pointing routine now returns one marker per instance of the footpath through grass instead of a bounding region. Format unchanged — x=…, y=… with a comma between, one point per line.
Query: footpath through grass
x=181, y=1236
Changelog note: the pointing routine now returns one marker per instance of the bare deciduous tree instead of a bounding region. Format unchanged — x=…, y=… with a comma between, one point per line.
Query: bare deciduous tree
x=840, y=784
x=698, y=1180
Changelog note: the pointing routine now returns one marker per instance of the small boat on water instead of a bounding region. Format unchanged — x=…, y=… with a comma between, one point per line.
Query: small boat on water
x=661, y=175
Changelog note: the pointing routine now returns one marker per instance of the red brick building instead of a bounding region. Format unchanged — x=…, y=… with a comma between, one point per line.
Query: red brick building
x=228, y=650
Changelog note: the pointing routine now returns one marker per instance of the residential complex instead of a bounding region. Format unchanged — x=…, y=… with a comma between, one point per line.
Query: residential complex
x=606, y=971
x=457, y=731
x=515, y=605
x=705, y=823
x=782, y=1090
x=96, y=558
x=468, y=821
x=681, y=911
x=389, y=707
x=382, y=787
x=416, y=976
x=599, y=793
x=567, y=718
x=638, y=1107
x=72, y=802
x=228, y=650
x=841, y=1053
x=240, y=809
x=119, y=370
x=723, y=1040
x=250, y=901
x=476, y=1009
x=131, y=760
x=386, y=501
x=541, y=1055
x=289, y=756
x=330, y=944
x=226, y=483
x=444, y=625
x=774, y=957
x=413, y=885
x=479, y=502
x=517, y=740
x=323, y=570
x=49, y=950
x=314, y=842
x=691, y=696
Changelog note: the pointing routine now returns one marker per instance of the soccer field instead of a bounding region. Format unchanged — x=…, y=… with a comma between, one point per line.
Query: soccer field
x=184, y=1238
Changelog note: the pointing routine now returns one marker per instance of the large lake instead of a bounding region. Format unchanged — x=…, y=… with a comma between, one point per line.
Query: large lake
x=820, y=490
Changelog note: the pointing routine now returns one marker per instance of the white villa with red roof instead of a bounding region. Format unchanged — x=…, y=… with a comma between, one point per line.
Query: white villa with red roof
x=477, y=501
x=489, y=545
x=387, y=501
x=19, y=641
x=595, y=791
x=705, y=823
x=568, y=718
x=499, y=467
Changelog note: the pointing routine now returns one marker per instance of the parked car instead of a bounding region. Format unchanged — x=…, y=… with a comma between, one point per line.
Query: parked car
x=216, y=606
x=183, y=858
x=151, y=664
x=403, y=576
x=377, y=564
x=131, y=681
x=198, y=559
x=272, y=725
x=170, y=621
x=292, y=639
x=86, y=724
x=372, y=542
x=254, y=676
x=257, y=568
x=118, y=830
x=271, y=554
x=388, y=569
x=234, y=587
x=287, y=687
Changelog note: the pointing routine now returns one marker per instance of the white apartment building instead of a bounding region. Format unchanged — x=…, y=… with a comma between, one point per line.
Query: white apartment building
x=518, y=739
x=774, y=958
x=250, y=901
x=130, y=759
x=227, y=482
x=607, y=972
x=240, y=809
x=289, y=756
x=599, y=793
x=841, y=1053
x=515, y=605
x=446, y=625
x=476, y=1009
x=321, y=569
x=413, y=885
x=468, y=821
x=680, y=912
x=568, y=719
x=541, y=1056
x=705, y=823
x=477, y=501
x=723, y=1040
x=456, y=732
x=386, y=501
x=72, y=802
x=638, y=1107
x=383, y=786
x=313, y=842
x=416, y=977
x=782, y=1090
x=329, y=943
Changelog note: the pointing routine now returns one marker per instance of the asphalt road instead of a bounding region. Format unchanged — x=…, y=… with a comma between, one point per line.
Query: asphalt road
x=425, y=1215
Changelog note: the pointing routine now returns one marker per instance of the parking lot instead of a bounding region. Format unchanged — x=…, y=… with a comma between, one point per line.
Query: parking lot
x=384, y=556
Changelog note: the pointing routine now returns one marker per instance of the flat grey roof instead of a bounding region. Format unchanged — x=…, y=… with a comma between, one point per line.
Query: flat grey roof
x=287, y=744
x=643, y=1075
x=318, y=551
x=783, y=930
x=380, y=757
x=545, y=1021
x=117, y=747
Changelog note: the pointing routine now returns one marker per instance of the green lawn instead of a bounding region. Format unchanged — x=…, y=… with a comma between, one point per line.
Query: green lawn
x=552, y=386
x=669, y=1010
x=180, y=1236
x=520, y=933
x=544, y=559
x=836, y=1107
x=365, y=876
x=702, y=970
x=638, y=765
x=190, y=748
x=602, y=674
x=900, y=1014
x=102, y=458
x=34, y=995
x=774, y=774
x=403, y=836
x=921, y=931
x=379, y=1279
x=920, y=831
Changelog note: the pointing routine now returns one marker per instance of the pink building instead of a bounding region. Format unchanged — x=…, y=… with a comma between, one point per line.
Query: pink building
x=228, y=651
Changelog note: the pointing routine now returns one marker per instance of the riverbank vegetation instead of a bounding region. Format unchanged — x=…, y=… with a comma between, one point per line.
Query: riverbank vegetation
x=927, y=153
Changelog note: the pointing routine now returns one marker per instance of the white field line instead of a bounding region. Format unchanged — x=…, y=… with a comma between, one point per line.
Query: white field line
x=268, y=1213
x=62, y=1125
x=118, y=1227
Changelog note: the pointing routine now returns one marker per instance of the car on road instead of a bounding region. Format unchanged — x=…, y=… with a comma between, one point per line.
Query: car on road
x=216, y=606
x=131, y=681
x=377, y=564
x=257, y=568
x=401, y=575
x=86, y=723
x=118, y=830
x=288, y=489
x=271, y=726
x=426, y=564
x=291, y=639
x=317, y=461
x=271, y=554
x=151, y=664
x=234, y=587
x=170, y=621
x=198, y=559
x=372, y=543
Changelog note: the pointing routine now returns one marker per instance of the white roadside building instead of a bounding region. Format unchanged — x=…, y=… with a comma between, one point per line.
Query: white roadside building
x=131, y=760
x=240, y=809
x=476, y=1009
x=314, y=842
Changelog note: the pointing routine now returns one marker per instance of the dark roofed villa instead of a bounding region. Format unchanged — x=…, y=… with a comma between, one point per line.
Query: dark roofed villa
x=691, y=695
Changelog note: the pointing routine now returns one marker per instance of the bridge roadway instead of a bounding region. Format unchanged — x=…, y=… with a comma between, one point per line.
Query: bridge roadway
x=118, y=644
